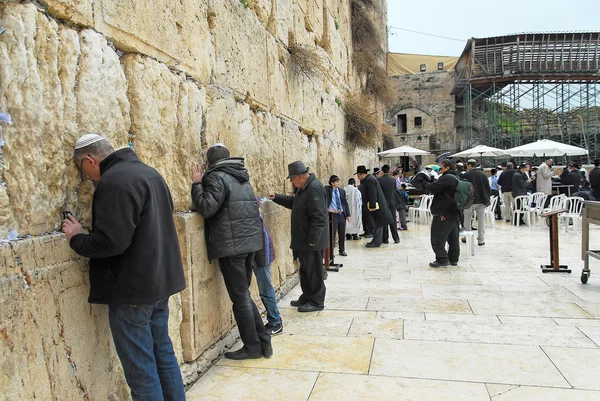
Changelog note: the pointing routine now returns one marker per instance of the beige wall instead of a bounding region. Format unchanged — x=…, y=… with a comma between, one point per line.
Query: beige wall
x=171, y=78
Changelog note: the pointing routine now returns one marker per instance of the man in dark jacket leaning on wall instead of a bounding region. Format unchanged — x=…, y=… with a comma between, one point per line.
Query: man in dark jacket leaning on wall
x=310, y=235
x=233, y=233
x=135, y=263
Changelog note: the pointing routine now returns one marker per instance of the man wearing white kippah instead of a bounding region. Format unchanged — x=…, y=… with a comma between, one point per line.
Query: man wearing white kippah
x=135, y=263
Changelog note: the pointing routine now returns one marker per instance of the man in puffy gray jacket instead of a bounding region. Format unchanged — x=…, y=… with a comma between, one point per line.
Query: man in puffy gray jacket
x=310, y=235
x=233, y=231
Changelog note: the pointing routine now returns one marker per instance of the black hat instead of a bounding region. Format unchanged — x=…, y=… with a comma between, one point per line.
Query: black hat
x=296, y=168
x=376, y=170
x=361, y=170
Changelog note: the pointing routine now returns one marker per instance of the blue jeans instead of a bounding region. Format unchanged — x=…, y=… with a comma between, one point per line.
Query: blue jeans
x=141, y=337
x=267, y=294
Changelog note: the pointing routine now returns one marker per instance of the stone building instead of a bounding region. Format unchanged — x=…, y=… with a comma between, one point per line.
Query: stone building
x=423, y=115
x=169, y=79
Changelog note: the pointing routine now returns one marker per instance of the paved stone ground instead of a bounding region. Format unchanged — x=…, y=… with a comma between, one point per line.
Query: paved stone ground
x=492, y=328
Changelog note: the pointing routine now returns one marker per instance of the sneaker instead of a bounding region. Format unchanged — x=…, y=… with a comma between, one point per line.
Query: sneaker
x=275, y=330
x=481, y=243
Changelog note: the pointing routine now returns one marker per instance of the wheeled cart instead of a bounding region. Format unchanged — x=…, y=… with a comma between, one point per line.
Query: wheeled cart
x=591, y=215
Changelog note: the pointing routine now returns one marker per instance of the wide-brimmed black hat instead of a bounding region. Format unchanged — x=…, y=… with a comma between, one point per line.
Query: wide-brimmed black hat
x=296, y=168
x=361, y=170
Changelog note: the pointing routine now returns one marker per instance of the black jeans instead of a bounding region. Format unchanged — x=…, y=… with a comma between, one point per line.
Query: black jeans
x=498, y=211
x=311, y=278
x=445, y=229
x=237, y=273
x=337, y=225
x=392, y=227
x=377, y=236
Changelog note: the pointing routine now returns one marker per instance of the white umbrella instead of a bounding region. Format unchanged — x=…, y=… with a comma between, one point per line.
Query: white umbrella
x=546, y=147
x=403, y=151
x=481, y=151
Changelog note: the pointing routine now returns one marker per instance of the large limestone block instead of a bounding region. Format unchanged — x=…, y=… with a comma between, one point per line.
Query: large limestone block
x=49, y=82
x=264, y=10
x=166, y=121
x=333, y=43
x=284, y=15
x=77, y=11
x=174, y=32
x=241, y=52
x=285, y=85
x=313, y=16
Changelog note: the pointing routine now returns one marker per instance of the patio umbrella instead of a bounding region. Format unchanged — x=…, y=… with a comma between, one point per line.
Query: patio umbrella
x=433, y=167
x=481, y=151
x=403, y=151
x=546, y=147
x=443, y=156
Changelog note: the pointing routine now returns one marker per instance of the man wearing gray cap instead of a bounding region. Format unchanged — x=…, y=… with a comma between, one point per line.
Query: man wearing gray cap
x=480, y=182
x=135, y=263
x=310, y=235
x=233, y=233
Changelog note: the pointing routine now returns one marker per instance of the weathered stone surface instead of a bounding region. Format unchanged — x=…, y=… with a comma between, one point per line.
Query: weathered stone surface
x=77, y=11
x=166, y=121
x=49, y=83
x=174, y=32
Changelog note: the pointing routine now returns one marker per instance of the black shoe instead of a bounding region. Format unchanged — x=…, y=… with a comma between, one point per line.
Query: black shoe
x=397, y=241
x=385, y=242
x=368, y=236
x=296, y=303
x=481, y=243
x=355, y=237
x=372, y=245
x=473, y=229
x=242, y=354
x=267, y=351
x=309, y=308
x=348, y=237
x=438, y=264
x=453, y=263
x=325, y=275
x=275, y=330
x=343, y=253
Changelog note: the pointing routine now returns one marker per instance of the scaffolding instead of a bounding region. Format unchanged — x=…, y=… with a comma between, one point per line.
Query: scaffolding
x=518, y=89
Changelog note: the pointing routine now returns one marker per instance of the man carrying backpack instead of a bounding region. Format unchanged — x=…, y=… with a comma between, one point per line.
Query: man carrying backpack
x=445, y=211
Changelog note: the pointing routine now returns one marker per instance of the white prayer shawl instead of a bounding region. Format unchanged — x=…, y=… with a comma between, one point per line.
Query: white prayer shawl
x=354, y=198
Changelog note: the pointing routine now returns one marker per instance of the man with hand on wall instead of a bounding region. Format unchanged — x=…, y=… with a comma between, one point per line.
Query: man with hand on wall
x=339, y=213
x=135, y=263
x=233, y=233
x=310, y=235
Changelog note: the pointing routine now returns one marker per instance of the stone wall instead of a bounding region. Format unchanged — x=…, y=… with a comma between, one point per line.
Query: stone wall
x=169, y=78
x=426, y=96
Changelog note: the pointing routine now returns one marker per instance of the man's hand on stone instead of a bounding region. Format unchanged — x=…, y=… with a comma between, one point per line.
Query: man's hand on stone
x=196, y=174
x=71, y=227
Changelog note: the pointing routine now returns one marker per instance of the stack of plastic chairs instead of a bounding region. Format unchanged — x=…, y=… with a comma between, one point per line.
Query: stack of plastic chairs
x=423, y=212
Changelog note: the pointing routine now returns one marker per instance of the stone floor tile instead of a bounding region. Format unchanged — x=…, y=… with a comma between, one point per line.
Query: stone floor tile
x=314, y=324
x=377, y=328
x=486, y=363
x=401, y=315
x=541, y=293
x=476, y=332
x=577, y=322
x=526, y=393
x=589, y=293
x=511, y=308
x=593, y=333
x=343, y=314
x=528, y=321
x=398, y=304
x=434, y=277
x=224, y=383
x=462, y=317
x=314, y=353
x=340, y=387
x=581, y=367
x=592, y=309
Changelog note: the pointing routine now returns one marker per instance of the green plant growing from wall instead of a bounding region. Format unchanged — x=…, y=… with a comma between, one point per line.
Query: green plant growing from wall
x=419, y=137
x=337, y=25
x=338, y=101
x=244, y=3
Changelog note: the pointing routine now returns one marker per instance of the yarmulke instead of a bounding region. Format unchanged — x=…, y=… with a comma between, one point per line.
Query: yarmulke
x=87, y=140
x=471, y=161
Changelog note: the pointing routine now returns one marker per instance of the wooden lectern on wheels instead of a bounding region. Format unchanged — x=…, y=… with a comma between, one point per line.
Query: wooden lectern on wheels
x=554, y=266
x=329, y=262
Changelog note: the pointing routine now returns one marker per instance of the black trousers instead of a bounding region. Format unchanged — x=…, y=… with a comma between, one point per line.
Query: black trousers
x=337, y=225
x=445, y=229
x=377, y=236
x=311, y=278
x=237, y=274
x=498, y=211
x=392, y=227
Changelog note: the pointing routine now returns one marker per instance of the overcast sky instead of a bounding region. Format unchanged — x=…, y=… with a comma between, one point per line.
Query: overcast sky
x=464, y=19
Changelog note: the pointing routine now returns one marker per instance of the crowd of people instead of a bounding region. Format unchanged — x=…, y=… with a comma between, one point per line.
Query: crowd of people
x=135, y=260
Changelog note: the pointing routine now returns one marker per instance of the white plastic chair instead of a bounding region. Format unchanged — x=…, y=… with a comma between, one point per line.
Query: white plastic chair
x=414, y=210
x=539, y=205
x=522, y=209
x=423, y=212
x=489, y=214
x=575, y=206
x=557, y=202
x=536, y=198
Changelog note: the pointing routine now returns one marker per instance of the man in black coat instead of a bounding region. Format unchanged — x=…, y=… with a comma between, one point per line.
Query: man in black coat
x=135, y=263
x=595, y=180
x=444, y=227
x=388, y=186
x=339, y=213
x=233, y=233
x=310, y=235
x=505, y=183
x=376, y=205
x=572, y=178
x=520, y=186
x=481, y=184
